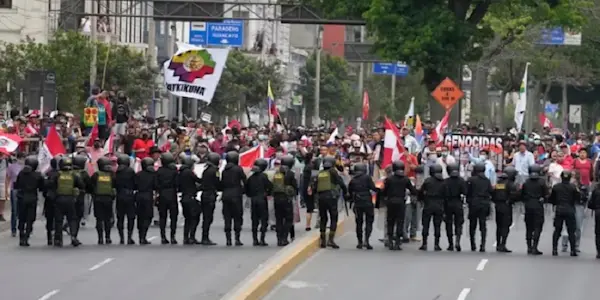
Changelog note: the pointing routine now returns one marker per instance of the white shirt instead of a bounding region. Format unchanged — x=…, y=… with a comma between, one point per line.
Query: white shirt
x=554, y=171
x=444, y=163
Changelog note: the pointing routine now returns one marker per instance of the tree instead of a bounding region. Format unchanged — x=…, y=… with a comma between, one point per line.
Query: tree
x=69, y=55
x=337, y=97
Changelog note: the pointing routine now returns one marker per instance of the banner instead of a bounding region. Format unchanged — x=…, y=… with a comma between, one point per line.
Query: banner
x=465, y=146
x=194, y=72
x=90, y=116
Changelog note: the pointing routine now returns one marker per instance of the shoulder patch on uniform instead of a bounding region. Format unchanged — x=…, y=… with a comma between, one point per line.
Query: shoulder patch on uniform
x=500, y=186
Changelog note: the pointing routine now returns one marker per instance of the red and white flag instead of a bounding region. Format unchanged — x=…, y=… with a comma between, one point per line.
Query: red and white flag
x=545, y=121
x=53, y=147
x=109, y=144
x=438, y=134
x=92, y=137
x=248, y=157
x=9, y=142
x=392, y=144
x=365, y=108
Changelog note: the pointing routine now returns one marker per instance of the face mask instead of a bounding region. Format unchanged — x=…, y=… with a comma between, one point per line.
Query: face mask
x=171, y=140
x=444, y=154
x=262, y=137
x=483, y=157
x=537, y=142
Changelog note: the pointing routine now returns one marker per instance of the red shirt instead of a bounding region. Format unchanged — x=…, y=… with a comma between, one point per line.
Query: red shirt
x=409, y=159
x=139, y=144
x=585, y=169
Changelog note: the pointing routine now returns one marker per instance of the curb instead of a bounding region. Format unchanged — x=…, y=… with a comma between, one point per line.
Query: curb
x=258, y=284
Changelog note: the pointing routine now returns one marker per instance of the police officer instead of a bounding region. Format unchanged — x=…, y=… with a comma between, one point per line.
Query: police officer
x=144, y=198
x=191, y=207
x=67, y=185
x=233, y=180
x=455, y=189
x=258, y=187
x=166, y=185
x=479, y=194
x=50, y=199
x=325, y=185
x=594, y=204
x=432, y=194
x=533, y=194
x=563, y=197
x=79, y=162
x=504, y=196
x=28, y=183
x=394, y=193
x=125, y=189
x=285, y=188
x=360, y=188
x=211, y=183
x=102, y=183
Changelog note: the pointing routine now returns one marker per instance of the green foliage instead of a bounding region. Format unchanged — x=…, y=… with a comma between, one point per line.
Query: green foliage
x=69, y=55
x=379, y=88
x=337, y=96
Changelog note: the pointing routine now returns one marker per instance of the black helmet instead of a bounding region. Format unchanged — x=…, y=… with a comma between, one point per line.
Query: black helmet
x=328, y=162
x=213, y=159
x=79, y=162
x=260, y=165
x=360, y=169
x=288, y=161
x=32, y=162
x=419, y=169
x=65, y=164
x=436, y=171
x=478, y=168
x=566, y=176
x=123, y=160
x=54, y=163
x=398, y=168
x=511, y=172
x=147, y=164
x=187, y=161
x=232, y=157
x=104, y=164
x=167, y=159
x=503, y=176
x=453, y=170
x=535, y=171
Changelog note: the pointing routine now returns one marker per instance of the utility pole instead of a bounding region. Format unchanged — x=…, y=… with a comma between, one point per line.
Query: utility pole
x=361, y=72
x=316, y=115
x=151, y=54
x=170, y=52
x=94, y=40
x=393, y=92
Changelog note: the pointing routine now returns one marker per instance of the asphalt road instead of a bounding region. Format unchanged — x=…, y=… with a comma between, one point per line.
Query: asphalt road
x=349, y=273
x=94, y=272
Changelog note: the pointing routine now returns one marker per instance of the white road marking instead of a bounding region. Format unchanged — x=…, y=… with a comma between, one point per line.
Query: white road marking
x=100, y=264
x=49, y=295
x=463, y=294
x=482, y=264
x=152, y=238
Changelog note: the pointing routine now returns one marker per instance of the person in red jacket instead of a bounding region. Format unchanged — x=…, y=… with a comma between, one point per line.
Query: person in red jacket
x=142, y=145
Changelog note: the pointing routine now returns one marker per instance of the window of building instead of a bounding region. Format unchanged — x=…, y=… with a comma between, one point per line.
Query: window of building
x=5, y=3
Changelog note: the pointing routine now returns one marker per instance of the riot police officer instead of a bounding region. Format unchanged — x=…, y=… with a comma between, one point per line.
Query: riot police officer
x=29, y=182
x=455, y=189
x=79, y=162
x=258, y=187
x=533, y=194
x=166, y=185
x=394, y=193
x=563, y=197
x=504, y=196
x=432, y=193
x=144, y=198
x=191, y=207
x=233, y=181
x=125, y=188
x=285, y=188
x=211, y=183
x=66, y=185
x=360, y=188
x=326, y=187
x=50, y=199
x=594, y=204
x=102, y=183
x=479, y=194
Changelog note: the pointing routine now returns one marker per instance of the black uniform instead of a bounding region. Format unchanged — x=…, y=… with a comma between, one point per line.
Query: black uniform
x=285, y=188
x=503, y=197
x=326, y=187
x=50, y=200
x=166, y=184
x=360, y=188
x=394, y=194
x=144, y=198
x=594, y=205
x=533, y=194
x=191, y=207
x=563, y=197
x=211, y=183
x=432, y=194
x=103, y=186
x=479, y=194
x=125, y=189
x=79, y=162
x=65, y=184
x=258, y=187
x=455, y=189
x=233, y=181
x=28, y=183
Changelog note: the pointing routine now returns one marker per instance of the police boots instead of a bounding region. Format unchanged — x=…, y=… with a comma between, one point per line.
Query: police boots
x=121, y=236
x=186, y=233
x=437, y=247
x=130, y=240
x=450, y=243
x=367, y=243
x=323, y=240
x=228, y=238
x=482, y=246
x=262, y=239
x=457, y=243
x=205, y=240
x=49, y=237
x=23, y=239
x=331, y=242
x=359, y=239
x=100, y=233
x=534, y=247
x=423, y=244
x=473, y=245
x=173, y=239
x=255, y=241
x=398, y=243
x=238, y=242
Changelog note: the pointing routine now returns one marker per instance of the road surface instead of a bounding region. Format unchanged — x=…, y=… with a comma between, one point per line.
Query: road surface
x=94, y=272
x=349, y=273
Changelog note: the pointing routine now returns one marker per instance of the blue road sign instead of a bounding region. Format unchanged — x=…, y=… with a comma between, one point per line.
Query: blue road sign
x=558, y=36
x=398, y=69
x=226, y=33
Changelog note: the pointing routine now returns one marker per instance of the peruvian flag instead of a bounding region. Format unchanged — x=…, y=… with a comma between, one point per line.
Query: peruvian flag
x=248, y=157
x=109, y=144
x=545, y=121
x=92, y=137
x=365, y=108
x=392, y=144
x=438, y=134
x=53, y=146
x=9, y=142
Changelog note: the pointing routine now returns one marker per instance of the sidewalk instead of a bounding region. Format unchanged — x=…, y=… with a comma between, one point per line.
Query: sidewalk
x=4, y=226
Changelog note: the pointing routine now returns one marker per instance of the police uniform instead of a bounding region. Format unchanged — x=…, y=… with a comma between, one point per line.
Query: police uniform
x=233, y=181
x=594, y=205
x=285, y=188
x=360, y=188
x=325, y=186
x=258, y=187
x=191, y=207
x=67, y=185
x=103, y=185
x=211, y=183
x=50, y=199
x=432, y=194
x=394, y=193
x=479, y=194
x=503, y=197
x=29, y=182
x=167, y=178
x=125, y=190
x=79, y=162
x=533, y=194
x=563, y=197
x=144, y=198
x=455, y=189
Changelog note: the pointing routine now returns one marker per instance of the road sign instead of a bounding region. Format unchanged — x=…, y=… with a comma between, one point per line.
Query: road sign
x=226, y=33
x=557, y=36
x=575, y=114
x=447, y=93
x=399, y=69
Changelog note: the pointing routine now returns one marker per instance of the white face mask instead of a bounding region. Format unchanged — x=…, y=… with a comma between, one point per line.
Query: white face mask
x=483, y=157
x=171, y=140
